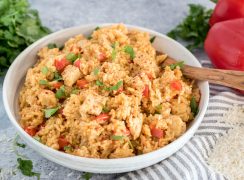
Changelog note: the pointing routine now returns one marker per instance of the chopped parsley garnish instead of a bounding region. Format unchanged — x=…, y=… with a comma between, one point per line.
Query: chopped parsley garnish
x=180, y=64
x=37, y=138
x=60, y=93
x=115, y=87
x=194, y=106
x=52, y=45
x=44, y=70
x=97, y=28
x=158, y=108
x=43, y=82
x=20, y=145
x=68, y=148
x=75, y=91
x=129, y=50
x=26, y=167
x=87, y=176
x=71, y=57
x=96, y=71
x=99, y=83
x=114, y=52
x=116, y=138
x=57, y=76
x=152, y=39
x=51, y=111
x=105, y=109
x=89, y=37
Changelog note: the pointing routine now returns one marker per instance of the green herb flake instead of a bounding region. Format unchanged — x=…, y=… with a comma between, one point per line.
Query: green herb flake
x=129, y=50
x=87, y=176
x=26, y=167
x=194, y=27
x=158, y=108
x=99, y=83
x=97, y=28
x=20, y=145
x=152, y=39
x=116, y=138
x=115, y=87
x=180, y=64
x=37, y=138
x=44, y=70
x=43, y=82
x=75, y=91
x=52, y=46
x=71, y=57
x=194, y=106
x=57, y=76
x=96, y=71
x=89, y=37
x=51, y=111
x=105, y=109
x=68, y=148
x=60, y=93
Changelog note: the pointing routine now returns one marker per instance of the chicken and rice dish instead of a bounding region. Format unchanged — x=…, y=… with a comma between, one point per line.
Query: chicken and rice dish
x=106, y=96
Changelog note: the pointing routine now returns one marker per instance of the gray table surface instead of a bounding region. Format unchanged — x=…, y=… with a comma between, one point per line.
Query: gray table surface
x=159, y=15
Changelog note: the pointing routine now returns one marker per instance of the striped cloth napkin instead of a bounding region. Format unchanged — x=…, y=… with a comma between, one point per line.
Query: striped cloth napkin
x=186, y=164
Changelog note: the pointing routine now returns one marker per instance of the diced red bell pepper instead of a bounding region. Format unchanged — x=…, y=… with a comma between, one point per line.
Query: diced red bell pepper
x=61, y=64
x=226, y=10
x=31, y=131
x=57, y=85
x=145, y=92
x=156, y=132
x=225, y=44
x=103, y=117
x=82, y=83
x=102, y=57
x=62, y=142
x=77, y=63
x=176, y=85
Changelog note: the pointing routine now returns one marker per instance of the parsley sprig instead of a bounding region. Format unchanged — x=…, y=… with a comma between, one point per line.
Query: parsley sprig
x=180, y=64
x=194, y=106
x=111, y=88
x=194, y=27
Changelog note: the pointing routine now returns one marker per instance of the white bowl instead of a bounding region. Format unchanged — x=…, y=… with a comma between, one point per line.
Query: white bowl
x=15, y=77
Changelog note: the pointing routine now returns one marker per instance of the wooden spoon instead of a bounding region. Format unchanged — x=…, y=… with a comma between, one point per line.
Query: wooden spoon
x=229, y=78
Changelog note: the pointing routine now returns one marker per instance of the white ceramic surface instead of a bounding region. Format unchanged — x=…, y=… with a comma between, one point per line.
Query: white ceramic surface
x=27, y=58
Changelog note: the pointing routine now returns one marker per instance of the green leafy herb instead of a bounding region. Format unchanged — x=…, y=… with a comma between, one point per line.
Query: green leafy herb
x=26, y=167
x=116, y=138
x=57, y=76
x=44, y=70
x=180, y=64
x=37, y=138
x=194, y=27
x=99, y=83
x=75, y=91
x=152, y=39
x=158, y=108
x=115, y=87
x=96, y=71
x=129, y=50
x=61, y=93
x=68, y=148
x=105, y=109
x=114, y=52
x=194, y=106
x=43, y=82
x=89, y=37
x=52, y=45
x=97, y=28
x=20, y=145
x=71, y=57
x=87, y=176
x=20, y=26
x=51, y=111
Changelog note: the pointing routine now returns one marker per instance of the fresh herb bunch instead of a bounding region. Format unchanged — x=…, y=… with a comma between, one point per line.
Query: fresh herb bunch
x=194, y=27
x=19, y=27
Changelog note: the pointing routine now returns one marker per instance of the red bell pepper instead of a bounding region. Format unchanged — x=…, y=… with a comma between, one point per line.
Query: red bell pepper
x=225, y=44
x=227, y=9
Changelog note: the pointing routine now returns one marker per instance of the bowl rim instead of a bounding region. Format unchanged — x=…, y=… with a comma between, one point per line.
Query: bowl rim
x=117, y=161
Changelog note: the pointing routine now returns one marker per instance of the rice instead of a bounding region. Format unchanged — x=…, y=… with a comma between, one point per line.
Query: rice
x=105, y=97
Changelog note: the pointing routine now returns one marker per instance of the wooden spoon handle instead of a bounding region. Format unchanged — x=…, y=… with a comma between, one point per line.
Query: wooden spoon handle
x=229, y=78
